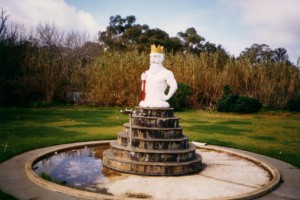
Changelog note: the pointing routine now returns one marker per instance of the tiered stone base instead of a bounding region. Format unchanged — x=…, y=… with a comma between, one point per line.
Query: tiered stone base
x=158, y=146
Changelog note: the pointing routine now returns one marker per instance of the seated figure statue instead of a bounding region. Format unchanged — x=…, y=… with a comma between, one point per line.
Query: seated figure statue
x=155, y=81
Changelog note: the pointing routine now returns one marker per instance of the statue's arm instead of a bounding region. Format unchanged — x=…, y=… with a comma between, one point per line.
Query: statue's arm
x=172, y=84
x=143, y=78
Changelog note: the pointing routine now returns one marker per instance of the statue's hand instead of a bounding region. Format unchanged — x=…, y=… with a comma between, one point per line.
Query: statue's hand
x=144, y=76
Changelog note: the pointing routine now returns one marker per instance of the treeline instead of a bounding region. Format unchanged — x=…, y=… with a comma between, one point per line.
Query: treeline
x=51, y=66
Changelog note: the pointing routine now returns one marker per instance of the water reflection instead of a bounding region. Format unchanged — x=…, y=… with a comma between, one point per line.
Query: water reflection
x=79, y=168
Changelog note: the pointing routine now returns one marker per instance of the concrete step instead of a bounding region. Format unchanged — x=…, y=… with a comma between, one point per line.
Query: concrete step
x=153, y=143
x=156, y=122
x=127, y=125
x=108, y=153
x=152, y=168
x=191, y=148
x=154, y=112
x=124, y=135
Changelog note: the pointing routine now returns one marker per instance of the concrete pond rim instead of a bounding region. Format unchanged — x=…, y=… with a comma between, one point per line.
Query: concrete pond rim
x=36, y=179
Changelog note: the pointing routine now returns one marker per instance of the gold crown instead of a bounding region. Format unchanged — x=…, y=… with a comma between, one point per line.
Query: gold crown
x=158, y=49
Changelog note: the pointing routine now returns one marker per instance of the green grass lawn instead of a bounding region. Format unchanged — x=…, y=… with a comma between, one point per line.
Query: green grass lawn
x=275, y=134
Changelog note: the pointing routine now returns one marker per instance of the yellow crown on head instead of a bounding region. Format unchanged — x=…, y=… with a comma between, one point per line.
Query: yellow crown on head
x=158, y=49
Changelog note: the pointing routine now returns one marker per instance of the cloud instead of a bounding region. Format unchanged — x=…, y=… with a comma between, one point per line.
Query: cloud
x=273, y=22
x=30, y=13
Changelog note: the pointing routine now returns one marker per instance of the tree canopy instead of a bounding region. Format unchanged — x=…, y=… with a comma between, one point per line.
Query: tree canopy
x=124, y=34
x=262, y=53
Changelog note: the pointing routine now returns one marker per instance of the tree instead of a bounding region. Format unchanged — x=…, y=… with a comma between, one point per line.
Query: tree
x=258, y=53
x=3, y=28
x=280, y=55
x=262, y=53
x=156, y=36
x=135, y=34
x=121, y=32
x=209, y=47
x=174, y=45
x=74, y=39
x=191, y=40
x=124, y=34
x=49, y=35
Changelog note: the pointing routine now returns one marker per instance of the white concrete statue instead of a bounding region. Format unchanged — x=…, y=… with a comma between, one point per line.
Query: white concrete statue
x=155, y=81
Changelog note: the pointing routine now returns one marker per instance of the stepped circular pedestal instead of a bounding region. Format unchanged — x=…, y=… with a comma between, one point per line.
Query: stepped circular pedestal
x=152, y=143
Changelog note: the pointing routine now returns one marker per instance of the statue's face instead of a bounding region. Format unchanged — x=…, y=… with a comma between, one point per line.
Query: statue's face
x=156, y=58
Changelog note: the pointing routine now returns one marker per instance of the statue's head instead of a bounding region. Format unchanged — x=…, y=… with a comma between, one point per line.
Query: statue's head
x=156, y=55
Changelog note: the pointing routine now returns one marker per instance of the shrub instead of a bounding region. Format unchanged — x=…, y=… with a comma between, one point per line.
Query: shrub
x=231, y=102
x=227, y=103
x=293, y=104
x=247, y=105
x=179, y=99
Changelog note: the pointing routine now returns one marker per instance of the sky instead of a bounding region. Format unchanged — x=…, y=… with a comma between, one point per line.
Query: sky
x=234, y=24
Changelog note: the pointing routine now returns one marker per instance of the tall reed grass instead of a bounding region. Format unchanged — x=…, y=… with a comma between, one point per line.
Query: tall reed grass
x=114, y=78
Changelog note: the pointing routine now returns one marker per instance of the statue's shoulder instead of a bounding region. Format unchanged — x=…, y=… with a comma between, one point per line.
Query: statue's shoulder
x=168, y=73
x=165, y=70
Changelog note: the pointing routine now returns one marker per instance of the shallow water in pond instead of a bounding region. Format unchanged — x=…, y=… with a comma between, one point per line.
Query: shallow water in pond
x=79, y=168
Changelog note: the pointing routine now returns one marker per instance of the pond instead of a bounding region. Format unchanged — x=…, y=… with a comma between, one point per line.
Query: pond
x=80, y=168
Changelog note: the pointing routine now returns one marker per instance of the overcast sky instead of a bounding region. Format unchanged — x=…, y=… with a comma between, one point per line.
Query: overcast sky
x=235, y=24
